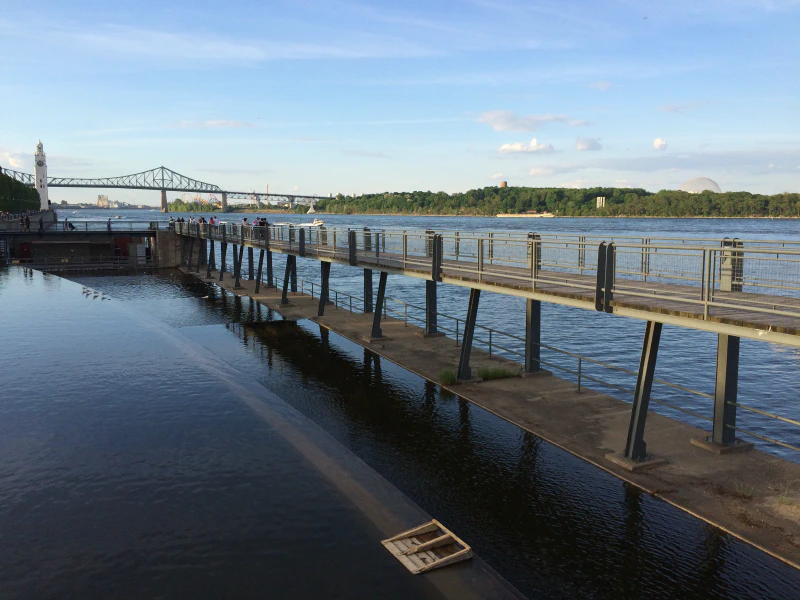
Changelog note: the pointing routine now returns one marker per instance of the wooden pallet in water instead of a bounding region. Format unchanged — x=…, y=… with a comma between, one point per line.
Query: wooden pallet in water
x=427, y=547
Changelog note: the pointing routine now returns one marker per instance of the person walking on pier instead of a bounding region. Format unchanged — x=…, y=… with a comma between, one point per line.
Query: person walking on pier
x=27, y=223
x=108, y=224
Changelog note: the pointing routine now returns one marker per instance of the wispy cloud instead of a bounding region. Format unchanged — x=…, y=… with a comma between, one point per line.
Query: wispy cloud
x=681, y=108
x=519, y=147
x=216, y=124
x=506, y=120
x=601, y=85
x=497, y=176
x=583, y=144
x=659, y=144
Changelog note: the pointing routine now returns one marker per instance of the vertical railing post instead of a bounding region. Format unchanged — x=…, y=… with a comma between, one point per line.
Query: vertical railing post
x=533, y=335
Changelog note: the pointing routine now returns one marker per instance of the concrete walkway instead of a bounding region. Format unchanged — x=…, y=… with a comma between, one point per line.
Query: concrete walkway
x=744, y=494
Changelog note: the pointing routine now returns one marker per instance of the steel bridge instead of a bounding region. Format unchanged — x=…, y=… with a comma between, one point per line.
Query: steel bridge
x=165, y=180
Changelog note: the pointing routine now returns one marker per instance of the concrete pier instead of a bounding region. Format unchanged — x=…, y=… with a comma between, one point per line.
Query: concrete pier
x=748, y=495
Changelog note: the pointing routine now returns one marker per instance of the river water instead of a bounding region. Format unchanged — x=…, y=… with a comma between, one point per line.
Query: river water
x=552, y=525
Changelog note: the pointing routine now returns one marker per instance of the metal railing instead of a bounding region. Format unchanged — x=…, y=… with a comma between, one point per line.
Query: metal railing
x=706, y=280
x=72, y=263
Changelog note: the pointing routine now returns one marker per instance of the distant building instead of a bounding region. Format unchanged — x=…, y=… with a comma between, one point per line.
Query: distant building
x=600, y=202
x=503, y=184
x=64, y=203
x=102, y=201
x=698, y=185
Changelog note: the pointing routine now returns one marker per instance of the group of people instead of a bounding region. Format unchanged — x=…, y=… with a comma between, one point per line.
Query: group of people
x=259, y=222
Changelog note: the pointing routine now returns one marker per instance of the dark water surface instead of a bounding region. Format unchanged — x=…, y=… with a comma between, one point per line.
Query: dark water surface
x=131, y=468
x=553, y=525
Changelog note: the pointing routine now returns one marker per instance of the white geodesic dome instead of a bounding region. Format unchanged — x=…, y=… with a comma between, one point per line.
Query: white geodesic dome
x=700, y=184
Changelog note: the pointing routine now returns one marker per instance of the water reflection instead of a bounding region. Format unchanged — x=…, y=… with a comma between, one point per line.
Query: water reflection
x=553, y=525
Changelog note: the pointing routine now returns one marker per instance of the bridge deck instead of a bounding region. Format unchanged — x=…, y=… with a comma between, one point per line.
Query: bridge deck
x=749, y=292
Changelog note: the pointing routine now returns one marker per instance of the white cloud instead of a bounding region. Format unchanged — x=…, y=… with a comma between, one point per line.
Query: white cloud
x=583, y=144
x=216, y=124
x=601, y=85
x=534, y=146
x=497, y=176
x=294, y=188
x=505, y=120
x=16, y=160
x=659, y=144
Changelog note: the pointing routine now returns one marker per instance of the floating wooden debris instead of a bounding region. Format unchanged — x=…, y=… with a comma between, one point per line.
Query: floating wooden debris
x=428, y=547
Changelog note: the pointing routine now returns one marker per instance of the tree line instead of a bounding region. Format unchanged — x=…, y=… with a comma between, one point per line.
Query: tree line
x=16, y=196
x=178, y=205
x=622, y=202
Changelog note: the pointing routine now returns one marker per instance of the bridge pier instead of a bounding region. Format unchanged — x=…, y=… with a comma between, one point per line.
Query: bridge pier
x=224, y=251
x=260, y=266
x=224, y=202
x=533, y=336
x=464, y=370
x=325, y=272
x=164, y=203
x=377, y=333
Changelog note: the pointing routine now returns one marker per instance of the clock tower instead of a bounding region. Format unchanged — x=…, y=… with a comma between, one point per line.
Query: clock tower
x=41, y=175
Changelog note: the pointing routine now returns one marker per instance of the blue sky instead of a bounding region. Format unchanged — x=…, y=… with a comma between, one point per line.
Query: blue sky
x=356, y=97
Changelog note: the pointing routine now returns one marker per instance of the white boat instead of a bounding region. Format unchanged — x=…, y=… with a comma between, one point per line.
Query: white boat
x=117, y=217
x=314, y=223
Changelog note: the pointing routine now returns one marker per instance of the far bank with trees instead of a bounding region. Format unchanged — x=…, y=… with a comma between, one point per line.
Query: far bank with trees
x=582, y=202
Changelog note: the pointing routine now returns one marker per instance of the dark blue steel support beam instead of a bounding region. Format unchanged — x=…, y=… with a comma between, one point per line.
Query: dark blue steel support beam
x=325, y=273
x=376, y=319
x=210, y=262
x=286, y=277
x=223, y=255
x=250, y=265
x=191, y=250
x=260, y=267
x=726, y=391
x=431, y=309
x=636, y=448
x=464, y=370
x=237, y=284
x=533, y=336
x=269, y=269
x=294, y=274
x=235, y=266
x=367, y=291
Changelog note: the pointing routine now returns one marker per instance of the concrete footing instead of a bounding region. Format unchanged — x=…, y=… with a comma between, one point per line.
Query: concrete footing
x=706, y=444
x=422, y=334
x=636, y=466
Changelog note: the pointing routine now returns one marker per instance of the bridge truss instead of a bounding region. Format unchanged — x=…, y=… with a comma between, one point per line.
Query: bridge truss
x=162, y=178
